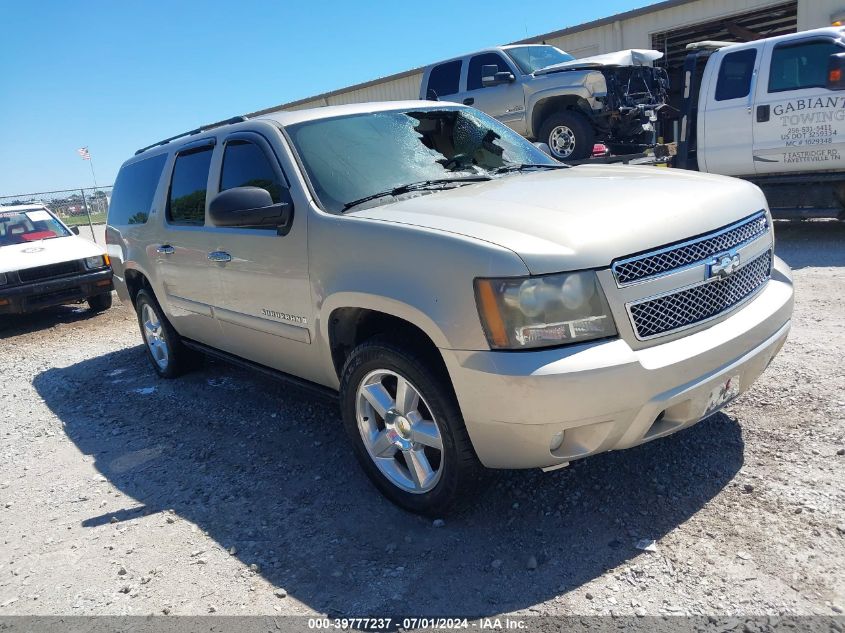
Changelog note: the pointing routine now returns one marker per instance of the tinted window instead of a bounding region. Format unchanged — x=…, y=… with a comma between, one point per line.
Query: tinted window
x=444, y=79
x=479, y=61
x=134, y=190
x=801, y=65
x=187, y=188
x=735, y=74
x=246, y=165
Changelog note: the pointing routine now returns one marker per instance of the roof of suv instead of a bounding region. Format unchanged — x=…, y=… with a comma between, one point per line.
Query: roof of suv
x=291, y=117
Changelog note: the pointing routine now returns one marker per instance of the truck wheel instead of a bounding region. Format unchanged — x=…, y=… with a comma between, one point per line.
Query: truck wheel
x=169, y=357
x=568, y=134
x=99, y=303
x=406, y=428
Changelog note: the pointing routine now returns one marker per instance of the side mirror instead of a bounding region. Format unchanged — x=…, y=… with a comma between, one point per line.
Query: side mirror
x=544, y=147
x=250, y=207
x=490, y=76
x=836, y=72
x=74, y=230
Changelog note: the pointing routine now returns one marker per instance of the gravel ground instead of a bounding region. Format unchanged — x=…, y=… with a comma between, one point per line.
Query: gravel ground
x=222, y=492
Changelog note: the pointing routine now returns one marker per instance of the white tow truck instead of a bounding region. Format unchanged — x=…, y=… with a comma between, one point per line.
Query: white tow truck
x=771, y=111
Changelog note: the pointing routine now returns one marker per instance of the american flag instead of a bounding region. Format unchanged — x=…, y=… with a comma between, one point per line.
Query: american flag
x=83, y=152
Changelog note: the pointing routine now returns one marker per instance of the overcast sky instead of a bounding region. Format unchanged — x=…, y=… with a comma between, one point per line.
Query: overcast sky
x=116, y=76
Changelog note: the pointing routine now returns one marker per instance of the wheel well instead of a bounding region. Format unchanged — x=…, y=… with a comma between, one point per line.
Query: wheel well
x=135, y=281
x=349, y=327
x=547, y=106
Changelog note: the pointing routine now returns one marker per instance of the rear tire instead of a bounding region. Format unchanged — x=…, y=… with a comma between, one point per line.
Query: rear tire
x=568, y=134
x=416, y=449
x=168, y=356
x=100, y=303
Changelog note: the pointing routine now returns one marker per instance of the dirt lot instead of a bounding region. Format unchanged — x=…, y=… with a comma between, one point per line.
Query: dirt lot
x=221, y=492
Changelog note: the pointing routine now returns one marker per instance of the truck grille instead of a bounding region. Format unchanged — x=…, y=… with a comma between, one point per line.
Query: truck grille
x=40, y=273
x=693, y=305
x=642, y=267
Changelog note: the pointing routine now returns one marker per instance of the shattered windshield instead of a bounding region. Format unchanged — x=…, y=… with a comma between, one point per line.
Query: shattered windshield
x=531, y=58
x=31, y=225
x=353, y=157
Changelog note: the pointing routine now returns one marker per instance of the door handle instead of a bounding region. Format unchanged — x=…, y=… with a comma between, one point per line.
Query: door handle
x=219, y=256
x=469, y=101
x=165, y=249
x=762, y=113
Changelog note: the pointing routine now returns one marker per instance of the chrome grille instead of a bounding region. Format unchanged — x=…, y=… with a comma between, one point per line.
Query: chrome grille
x=693, y=305
x=652, y=264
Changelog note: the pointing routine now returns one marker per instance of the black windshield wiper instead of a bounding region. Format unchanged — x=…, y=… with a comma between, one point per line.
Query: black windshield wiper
x=414, y=186
x=526, y=166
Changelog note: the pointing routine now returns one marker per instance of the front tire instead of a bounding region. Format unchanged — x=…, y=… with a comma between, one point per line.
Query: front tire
x=568, y=134
x=100, y=303
x=406, y=428
x=168, y=356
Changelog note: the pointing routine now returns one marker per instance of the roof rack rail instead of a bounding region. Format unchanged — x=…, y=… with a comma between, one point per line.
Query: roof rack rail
x=203, y=128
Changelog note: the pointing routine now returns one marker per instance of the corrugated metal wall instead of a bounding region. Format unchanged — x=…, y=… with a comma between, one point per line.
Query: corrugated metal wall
x=633, y=32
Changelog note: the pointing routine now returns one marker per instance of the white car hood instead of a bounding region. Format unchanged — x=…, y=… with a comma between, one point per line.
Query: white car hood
x=44, y=252
x=630, y=57
x=583, y=217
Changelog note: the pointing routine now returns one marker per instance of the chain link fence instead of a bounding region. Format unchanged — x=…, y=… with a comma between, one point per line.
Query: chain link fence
x=86, y=206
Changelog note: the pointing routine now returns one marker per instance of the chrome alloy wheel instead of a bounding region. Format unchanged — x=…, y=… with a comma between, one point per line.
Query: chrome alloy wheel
x=562, y=141
x=154, y=336
x=399, y=431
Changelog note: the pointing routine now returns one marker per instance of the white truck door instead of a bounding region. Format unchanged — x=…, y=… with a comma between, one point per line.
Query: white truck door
x=799, y=125
x=724, y=124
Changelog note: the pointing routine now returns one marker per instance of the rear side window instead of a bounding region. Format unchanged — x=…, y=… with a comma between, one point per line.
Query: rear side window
x=479, y=61
x=188, y=187
x=735, y=74
x=800, y=66
x=134, y=190
x=444, y=79
x=246, y=165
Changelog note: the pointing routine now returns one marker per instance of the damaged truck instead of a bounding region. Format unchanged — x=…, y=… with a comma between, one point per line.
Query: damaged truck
x=550, y=97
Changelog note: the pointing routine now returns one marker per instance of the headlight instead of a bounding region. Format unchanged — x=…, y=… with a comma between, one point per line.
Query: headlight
x=98, y=261
x=3, y=279
x=523, y=313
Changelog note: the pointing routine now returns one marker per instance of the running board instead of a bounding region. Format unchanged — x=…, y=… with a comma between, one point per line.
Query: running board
x=298, y=383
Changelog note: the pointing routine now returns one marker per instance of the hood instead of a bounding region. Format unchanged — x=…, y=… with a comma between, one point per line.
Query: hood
x=582, y=217
x=44, y=252
x=630, y=57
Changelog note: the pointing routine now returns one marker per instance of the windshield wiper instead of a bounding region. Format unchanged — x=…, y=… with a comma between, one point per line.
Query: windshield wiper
x=414, y=186
x=526, y=166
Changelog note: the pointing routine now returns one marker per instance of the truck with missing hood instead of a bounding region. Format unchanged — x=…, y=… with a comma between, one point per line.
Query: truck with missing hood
x=550, y=97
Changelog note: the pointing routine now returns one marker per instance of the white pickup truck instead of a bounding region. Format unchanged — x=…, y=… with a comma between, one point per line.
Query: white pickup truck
x=771, y=111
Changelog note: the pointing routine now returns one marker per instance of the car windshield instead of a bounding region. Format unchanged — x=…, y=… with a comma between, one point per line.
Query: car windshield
x=353, y=157
x=29, y=225
x=531, y=58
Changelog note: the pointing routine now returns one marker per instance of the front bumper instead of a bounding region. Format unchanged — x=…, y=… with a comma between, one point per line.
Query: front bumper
x=605, y=396
x=52, y=292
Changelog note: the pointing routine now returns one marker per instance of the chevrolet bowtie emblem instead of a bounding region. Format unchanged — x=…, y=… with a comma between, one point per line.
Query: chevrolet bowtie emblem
x=722, y=265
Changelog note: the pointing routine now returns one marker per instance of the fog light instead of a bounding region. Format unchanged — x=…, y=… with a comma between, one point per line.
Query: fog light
x=4, y=302
x=556, y=441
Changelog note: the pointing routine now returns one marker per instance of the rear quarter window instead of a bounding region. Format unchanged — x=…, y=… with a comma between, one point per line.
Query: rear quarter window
x=444, y=79
x=134, y=190
x=734, y=80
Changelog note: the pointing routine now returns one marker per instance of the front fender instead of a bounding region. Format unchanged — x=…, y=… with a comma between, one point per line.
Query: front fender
x=570, y=93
